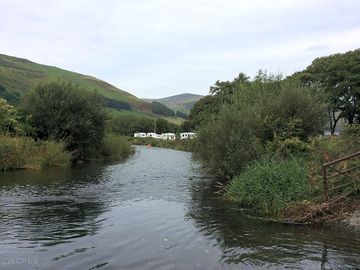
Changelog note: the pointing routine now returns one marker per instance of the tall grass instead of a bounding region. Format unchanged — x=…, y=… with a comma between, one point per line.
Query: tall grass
x=25, y=153
x=268, y=185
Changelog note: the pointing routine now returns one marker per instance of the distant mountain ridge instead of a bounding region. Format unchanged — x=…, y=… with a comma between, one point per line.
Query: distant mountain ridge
x=182, y=102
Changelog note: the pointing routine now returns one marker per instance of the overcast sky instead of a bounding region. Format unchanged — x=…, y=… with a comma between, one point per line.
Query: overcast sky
x=157, y=48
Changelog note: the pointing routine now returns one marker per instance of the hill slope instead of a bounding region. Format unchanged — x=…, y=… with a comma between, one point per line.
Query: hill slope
x=18, y=75
x=182, y=102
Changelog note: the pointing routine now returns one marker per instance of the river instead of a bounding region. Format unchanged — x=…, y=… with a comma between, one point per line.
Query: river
x=153, y=211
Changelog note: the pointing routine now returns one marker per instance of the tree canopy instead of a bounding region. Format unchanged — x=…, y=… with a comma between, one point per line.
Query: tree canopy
x=61, y=110
x=9, y=123
x=339, y=77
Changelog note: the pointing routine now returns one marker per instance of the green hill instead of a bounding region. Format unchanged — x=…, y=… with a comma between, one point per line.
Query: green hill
x=17, y=76
x=182, y=102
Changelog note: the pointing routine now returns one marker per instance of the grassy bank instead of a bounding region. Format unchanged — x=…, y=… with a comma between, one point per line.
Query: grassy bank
x=25, y=153
x=182, y=145
x=289, y=187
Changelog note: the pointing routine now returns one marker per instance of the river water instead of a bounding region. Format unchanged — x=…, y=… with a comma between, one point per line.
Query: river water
x=154, y=211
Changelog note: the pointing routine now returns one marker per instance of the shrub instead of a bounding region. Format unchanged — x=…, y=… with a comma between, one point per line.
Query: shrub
x=23, y=152
x=63, y=111
x=268, y=185
x=115, y=147
x=258, y=113
x=9, y=120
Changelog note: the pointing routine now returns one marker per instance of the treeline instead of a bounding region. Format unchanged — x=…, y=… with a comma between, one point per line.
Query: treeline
x=262, y=134
x=62, y=117
x=127, y=125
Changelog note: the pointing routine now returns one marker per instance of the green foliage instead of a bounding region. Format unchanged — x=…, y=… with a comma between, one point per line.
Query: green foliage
x=115, y=147
x=161, y=109
x=63, y=111
x=25, y=153
x=9, y=120
x=287, y=147
x=256, y=114
x=127, y=125
x=268, y=185
x=201, y=112
x=339, y=76
x=18, y=76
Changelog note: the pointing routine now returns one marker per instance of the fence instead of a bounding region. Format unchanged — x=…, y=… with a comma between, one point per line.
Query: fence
x=337, y=172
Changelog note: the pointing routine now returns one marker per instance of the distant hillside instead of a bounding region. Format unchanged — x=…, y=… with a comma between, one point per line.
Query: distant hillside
x=182, y=102
x=18, y=76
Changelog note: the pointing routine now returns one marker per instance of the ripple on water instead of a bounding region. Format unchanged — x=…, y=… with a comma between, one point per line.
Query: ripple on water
x=147, y=214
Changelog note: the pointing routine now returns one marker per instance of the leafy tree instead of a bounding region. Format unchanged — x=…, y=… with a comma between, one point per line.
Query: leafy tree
x=339, y=76
x=9, y=120
x=201, y=112
x=63, y=111
x=262, y=111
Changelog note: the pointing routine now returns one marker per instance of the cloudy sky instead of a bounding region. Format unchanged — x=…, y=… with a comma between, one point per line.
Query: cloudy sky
x=157, y=48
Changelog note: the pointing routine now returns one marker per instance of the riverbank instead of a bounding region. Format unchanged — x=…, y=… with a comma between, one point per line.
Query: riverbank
x=181, y=145
x=24, y=153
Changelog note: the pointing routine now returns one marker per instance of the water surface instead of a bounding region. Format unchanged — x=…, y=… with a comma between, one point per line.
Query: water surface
x=153, y=211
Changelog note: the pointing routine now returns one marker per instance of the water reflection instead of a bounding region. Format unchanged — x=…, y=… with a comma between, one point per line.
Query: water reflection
x=51, y=207
x=256, y=243
x=153, y=212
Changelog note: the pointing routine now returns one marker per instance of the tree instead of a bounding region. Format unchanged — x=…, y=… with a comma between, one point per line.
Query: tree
x=339, y=76
x=9, y=120
x=161, y=109
x=63, y=111
x=262, y=112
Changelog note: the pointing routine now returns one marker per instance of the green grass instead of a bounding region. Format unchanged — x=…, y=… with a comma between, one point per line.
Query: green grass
x=25, y=153
x=174, y=120
x=267, y=186
x=20, y=75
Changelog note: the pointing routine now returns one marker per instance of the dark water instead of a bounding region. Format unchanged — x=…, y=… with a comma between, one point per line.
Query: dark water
x=147, y=214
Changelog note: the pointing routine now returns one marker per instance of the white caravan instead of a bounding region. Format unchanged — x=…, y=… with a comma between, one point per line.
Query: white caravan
x=187, y=135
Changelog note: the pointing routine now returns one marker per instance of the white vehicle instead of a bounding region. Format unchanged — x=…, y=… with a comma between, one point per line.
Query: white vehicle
x=153, y=135
x=168, y=136
x=187, y=135
x=140, y=135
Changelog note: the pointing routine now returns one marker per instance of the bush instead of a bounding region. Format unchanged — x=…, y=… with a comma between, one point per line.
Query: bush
x=9, y=120
x=25, y=153
x=115, y=147
x=268, y=185
x=63, y=111
x=256, y=114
